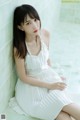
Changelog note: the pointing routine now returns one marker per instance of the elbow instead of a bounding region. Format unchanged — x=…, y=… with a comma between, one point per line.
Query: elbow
x=23, y=78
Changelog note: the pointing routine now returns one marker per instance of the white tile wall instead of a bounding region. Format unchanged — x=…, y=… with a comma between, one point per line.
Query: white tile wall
x=70, y=12
x=7, y=75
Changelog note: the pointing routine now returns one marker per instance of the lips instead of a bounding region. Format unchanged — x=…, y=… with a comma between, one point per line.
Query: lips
x=35, y=31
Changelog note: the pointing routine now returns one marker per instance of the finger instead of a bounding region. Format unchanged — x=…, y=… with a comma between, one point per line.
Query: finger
x=61, y=84
x=64, y=84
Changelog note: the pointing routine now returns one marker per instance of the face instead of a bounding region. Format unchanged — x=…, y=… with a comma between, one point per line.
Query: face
x=30, y=26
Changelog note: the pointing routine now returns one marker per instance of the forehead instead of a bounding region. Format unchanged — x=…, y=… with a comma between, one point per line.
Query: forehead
x=27, y=18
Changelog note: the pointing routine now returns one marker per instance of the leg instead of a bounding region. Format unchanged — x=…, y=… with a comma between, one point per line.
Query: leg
x=63, y=116
x=73, y=118
x=73, y=110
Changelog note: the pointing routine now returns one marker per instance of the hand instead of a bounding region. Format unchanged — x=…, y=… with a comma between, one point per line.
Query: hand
x=57, y=86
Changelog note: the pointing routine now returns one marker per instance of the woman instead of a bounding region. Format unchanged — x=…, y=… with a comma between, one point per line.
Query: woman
x=39, y=91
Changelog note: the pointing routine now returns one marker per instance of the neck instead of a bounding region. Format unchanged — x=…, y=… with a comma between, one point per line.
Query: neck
x=31, y=38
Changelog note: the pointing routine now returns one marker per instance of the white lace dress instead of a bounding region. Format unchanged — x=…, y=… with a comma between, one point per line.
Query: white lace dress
x=36, y=101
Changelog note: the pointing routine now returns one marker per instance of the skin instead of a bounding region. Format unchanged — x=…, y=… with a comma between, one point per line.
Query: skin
x=29, y=26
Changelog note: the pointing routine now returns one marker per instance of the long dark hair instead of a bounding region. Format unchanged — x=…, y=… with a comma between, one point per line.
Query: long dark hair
x=19, y=36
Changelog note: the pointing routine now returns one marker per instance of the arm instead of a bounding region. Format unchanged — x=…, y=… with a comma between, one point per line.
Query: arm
x=46, y=36
x=49, y=62
x=20, y=67
x=21, y=71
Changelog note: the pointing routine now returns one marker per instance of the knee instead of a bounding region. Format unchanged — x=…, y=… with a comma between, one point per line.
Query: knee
x=62, y=116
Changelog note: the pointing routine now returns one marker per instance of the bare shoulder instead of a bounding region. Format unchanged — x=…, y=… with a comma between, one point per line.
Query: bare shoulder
x=45, y=33
x=46, y=36
x=18, y=60
x=14, y=51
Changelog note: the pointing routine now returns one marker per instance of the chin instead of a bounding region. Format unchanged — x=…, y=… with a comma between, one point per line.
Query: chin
x=37, y=33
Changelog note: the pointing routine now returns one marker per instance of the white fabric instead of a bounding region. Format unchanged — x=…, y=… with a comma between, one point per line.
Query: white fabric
x=35, y=101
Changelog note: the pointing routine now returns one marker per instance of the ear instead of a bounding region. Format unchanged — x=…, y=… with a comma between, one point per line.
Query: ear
x=20, y=27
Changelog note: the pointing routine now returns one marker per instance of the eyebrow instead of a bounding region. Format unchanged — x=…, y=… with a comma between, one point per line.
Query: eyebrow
x=27, y=20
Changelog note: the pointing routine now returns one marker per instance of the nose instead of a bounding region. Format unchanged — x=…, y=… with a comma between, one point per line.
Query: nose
x=34, y=25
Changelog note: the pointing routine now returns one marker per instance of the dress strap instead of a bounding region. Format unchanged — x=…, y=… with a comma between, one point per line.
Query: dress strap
x=29, y=49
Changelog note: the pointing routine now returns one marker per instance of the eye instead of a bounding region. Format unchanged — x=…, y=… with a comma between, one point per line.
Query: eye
x=35, y=19
x=27, y=23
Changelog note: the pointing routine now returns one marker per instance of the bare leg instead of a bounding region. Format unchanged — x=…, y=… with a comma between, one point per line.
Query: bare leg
x=73, y=110
x=73, y=118
x=63, y=116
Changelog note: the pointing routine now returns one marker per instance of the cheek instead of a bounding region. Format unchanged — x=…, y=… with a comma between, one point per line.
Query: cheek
x=29, y=30
x=38, y=24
